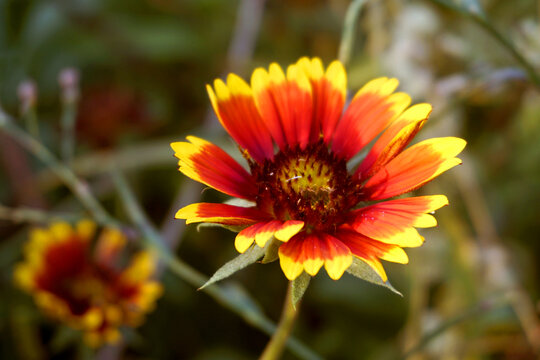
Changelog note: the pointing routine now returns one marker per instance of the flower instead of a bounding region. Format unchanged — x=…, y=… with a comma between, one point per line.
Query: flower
x=81, y=281
x=299, y=143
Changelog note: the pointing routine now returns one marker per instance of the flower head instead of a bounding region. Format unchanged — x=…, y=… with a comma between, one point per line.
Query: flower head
x=81, y=281
x=306, y=196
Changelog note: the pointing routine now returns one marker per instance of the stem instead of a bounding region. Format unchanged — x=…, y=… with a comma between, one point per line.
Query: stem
x=68, y=132
x=275, y=346
x=347, y=36
x=481, y=308
x=233, y=300
x=18, y=215
x=76, y=185
x=246, y=29
x=506, y=43
x=31, y=122
x=484, y=22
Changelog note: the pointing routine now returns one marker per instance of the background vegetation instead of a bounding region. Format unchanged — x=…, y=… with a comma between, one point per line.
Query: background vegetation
x=472, y=291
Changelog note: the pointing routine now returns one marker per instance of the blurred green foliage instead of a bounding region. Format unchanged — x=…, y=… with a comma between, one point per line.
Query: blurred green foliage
x=143, y=67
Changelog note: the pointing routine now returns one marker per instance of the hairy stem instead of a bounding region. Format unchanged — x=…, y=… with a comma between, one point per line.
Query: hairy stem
x=274, y=348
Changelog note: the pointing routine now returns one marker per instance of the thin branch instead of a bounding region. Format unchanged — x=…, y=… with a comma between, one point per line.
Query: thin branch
x=349, y=26
x=246, y=29
x=69, y=82
x=479, y=309
x=76, y=185
x=477, y=15
x=24, y=215
x=483, y=224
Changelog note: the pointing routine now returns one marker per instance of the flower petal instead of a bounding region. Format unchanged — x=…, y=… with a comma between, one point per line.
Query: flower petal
x=329, y=92
x=373, y=107
x=205, y=162
x=263, y=231
x=337, y=258
x=220, y=214
x=291, y=257
x=394, y=221
x=414, y=167
x=394, y=139
x=371, y=250
x=310, y=252
x=284, y=103
x=234, y=105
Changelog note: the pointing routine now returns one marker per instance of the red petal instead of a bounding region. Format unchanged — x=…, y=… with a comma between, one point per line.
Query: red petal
x=337, y=256
x=220, y=214
x=263, y=231
x=205, y=162
x=371, y=250
x=329, y=91
x=371, y=110
x=234, y=105
x=291, y=257
x=284, y=103
x=414, y=167
x=394, y=140
x=310, y=252
x=394, y=221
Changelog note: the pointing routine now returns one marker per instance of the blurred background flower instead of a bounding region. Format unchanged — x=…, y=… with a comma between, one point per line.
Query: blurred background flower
x=84, y=280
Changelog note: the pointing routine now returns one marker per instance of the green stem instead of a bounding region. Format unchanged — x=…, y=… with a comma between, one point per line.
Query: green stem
x=19, y=215
x=31, y=122
x=68, y=131
x=274, y=348
x=349, y=25
x=481, y=308
x=77, y=186
x=233, y=300
x=482, y=20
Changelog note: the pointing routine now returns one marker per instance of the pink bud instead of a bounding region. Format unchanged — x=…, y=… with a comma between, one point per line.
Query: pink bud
x=27, y=92
x=69, y=82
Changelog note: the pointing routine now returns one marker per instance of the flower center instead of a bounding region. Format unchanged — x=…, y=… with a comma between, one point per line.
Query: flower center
x=73, y=277
x=311, y=185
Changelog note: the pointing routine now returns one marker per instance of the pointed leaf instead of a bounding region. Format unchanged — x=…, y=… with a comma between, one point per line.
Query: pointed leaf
x=299, y=287
x=363, y=271
x=232, y=228
x=238, y=263
x=271, y=253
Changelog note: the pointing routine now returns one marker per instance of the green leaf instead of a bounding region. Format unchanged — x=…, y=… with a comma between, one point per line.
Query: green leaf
x=252, y=254
x=363, y=271
x=271, y=253
x=299, y=287
x=228, y=227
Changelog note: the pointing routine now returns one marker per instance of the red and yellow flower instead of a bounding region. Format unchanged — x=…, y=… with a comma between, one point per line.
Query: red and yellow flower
x=80, y=281
x=299, y=141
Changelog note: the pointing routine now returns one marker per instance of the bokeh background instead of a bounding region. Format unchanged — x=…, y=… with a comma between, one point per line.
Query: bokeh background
x=471, y=292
